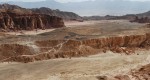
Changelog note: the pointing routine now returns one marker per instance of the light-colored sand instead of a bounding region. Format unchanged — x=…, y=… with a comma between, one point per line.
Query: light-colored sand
x=76, y=23
x=34, y=32
x=84, y=68
x=93, y=22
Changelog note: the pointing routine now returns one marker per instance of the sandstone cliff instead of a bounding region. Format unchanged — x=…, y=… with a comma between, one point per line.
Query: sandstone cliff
x=16, y=21
x=49, y=49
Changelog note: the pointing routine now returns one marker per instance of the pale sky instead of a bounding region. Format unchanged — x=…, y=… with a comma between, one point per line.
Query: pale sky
x=60, y=0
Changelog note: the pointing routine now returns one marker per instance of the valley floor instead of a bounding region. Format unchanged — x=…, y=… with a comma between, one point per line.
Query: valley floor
x=83, y=68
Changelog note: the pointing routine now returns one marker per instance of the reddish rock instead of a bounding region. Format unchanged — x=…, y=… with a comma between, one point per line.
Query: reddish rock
x=15, y=21
x=50, y=49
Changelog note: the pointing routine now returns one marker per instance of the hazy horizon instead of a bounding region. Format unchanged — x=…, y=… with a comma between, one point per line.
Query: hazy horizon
x=66, y=1
x=88, y=7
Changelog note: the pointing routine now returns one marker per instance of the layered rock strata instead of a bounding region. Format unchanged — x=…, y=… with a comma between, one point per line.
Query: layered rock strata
x=15, y=21
x=50, y=49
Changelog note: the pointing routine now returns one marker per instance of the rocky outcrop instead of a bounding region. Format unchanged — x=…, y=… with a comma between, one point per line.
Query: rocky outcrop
x=49, y=49
x=15, y=21
x=10, y=50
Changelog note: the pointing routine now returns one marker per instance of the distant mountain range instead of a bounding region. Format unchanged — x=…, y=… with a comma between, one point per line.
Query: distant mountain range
x=132, y=17
x=95, y=7
x=43, y=10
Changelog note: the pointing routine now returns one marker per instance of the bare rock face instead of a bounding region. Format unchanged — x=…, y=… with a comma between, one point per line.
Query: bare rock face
x=50, y=49
x=10, y=50
x=14, y=21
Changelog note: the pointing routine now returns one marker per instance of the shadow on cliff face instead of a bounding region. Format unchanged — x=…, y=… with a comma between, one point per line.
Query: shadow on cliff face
x=10, y=21
x=50, y=49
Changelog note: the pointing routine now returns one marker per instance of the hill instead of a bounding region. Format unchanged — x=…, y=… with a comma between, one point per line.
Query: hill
x=43, y=10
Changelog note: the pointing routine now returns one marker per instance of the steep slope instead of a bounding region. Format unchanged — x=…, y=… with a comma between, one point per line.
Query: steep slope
x=50, y=49
x=15, y=21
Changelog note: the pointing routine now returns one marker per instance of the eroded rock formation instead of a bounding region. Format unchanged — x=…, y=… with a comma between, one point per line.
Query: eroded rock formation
x=9, y=50
x=15, y=21
x=50, y=49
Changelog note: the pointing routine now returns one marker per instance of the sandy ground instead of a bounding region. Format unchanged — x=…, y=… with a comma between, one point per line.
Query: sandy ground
x=83, y=68
x=76, y=23
x=93, y=22
x=34, y=32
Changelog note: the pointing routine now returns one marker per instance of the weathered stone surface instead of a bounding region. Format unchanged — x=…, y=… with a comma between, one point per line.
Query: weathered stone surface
x=11, y=50
x=50, y=49
x=15, y=21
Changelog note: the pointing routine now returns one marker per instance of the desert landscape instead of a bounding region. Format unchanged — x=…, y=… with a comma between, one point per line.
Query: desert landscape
x=76, y=61
x=45, y=44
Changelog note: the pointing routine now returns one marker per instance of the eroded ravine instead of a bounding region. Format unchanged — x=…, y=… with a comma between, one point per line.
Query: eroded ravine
x=50, y=49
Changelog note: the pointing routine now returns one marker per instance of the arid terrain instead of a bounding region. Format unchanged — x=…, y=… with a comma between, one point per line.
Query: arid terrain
x=90, y=50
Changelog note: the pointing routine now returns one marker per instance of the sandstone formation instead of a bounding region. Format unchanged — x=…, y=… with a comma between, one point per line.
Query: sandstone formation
x=14, y=21
x=10, y=50
x=49, y=49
